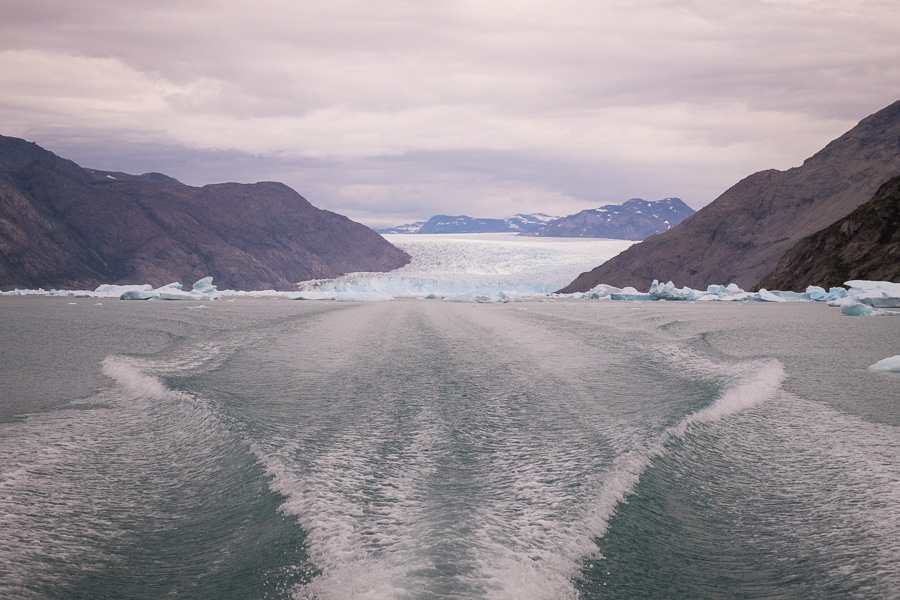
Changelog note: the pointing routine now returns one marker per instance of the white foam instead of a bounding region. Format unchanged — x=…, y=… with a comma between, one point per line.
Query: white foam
x=126, y=374
x=360, y=525
x=71, y=476
x=762, y=383
x=528, y=541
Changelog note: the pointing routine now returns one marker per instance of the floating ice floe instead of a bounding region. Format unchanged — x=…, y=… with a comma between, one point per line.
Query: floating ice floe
x=858, y=309
x=891, y=363
x=868, y=298
x=877, y=294
x=485, y=297
x=730, y=293
x=202, y=290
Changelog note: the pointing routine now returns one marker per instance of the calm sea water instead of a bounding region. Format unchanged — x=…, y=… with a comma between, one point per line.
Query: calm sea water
x=426, y=450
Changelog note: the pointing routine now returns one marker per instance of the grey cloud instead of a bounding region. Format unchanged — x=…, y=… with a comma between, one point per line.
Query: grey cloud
x=408, y=108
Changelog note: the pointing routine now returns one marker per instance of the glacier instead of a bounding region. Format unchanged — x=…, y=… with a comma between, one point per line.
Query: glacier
x=491, y=267
x=480, y=268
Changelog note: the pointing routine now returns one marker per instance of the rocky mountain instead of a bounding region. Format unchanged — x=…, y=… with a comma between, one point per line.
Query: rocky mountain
x=635, y=219
x=466, y=224
x=863, y=245
x=65, y=226
x=741, y=235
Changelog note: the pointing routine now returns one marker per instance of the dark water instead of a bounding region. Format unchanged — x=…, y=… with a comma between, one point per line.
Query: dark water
x=422, y=449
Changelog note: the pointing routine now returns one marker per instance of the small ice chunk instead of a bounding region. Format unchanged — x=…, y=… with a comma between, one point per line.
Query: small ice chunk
x=202, y=290
x=204, y=286
x=112, y=290
x=767, y=296
x=891, y=363
x=475, y=297
x=316, y=295
x=173, y=292
x=816, y=293
x=668, y=291
x=859, y=309
x=137, y=295
x=602, y=291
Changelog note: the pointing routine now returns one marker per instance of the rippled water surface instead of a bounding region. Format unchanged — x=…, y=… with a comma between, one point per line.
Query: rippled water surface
x=423, y=449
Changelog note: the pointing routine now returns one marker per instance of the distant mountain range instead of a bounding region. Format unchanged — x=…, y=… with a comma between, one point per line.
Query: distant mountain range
x=68, y=227
x=466, y=224
x=633, y=220
x=740, y=237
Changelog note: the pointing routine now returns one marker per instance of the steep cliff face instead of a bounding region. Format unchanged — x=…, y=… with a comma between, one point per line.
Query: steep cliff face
x=741, y=235
x=68, y=227
x=863, y=245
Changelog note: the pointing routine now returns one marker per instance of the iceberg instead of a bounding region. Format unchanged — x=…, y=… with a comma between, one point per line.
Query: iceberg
x=859, y=309
x=604, y=292
x=767, y=296
x=670, y=292
x=878, y=294
x=204, y=286
x=891, y=363
x=202, y=290
x=18, y=292
x=136, y=295
x=486, y=297
x=116, y=291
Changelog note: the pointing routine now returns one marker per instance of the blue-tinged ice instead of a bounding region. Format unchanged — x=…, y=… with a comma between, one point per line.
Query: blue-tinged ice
x=112, y=291
x=136, y=295
x=487, y=296
x=891, y=363
x=878, y=294
x=203, y=290
x=767, y=296
x=204, y=286
x=858, y=309
x=668, y=291
x=477, y=267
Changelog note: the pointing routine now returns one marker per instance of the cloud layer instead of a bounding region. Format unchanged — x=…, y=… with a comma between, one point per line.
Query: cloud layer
x=398, y=110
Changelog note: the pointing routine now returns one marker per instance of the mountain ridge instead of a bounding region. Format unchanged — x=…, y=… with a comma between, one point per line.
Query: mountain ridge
x=444, y=224
x=863, y=245
x=634, y=219
x=65, y=226
x=741, y=235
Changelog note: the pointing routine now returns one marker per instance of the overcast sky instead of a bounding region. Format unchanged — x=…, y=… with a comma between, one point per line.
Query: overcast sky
x=391, y=111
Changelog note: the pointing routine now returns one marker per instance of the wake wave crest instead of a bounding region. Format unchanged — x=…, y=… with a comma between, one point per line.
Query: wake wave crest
x=753, y=389
x=124, y=372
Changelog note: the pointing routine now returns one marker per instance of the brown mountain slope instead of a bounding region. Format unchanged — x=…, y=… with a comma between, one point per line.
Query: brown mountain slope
x=68, y=227
x=863, y=245
x=740, y=236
